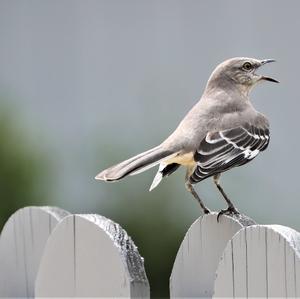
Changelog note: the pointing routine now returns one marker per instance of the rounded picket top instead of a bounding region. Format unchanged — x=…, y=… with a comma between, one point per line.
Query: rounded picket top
x=260, y=261
x=91, y=256
x=22, y=243
x=197, y=259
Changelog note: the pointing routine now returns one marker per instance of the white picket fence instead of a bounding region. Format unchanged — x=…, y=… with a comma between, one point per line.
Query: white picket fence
x=47, y=252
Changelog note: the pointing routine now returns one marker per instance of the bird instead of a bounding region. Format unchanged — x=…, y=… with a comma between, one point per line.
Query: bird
x=223, y=130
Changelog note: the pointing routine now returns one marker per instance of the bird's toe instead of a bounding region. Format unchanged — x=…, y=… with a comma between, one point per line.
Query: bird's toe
x=230, y=211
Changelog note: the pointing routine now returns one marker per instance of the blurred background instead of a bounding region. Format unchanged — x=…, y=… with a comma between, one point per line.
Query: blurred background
x=86, y=84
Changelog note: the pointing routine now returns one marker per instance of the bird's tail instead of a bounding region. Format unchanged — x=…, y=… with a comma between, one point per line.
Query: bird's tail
x=136, y=164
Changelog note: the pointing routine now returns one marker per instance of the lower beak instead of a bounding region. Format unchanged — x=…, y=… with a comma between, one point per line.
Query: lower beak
x=269, y=79
x=265, y=61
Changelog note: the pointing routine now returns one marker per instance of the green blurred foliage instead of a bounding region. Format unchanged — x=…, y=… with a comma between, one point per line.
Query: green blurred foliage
x=23, y=168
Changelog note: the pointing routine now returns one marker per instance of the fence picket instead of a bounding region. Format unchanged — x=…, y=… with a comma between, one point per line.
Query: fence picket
x=22, y=243
x=46, y=252
x=193, y=273
x=91, y=256
x=269, y=267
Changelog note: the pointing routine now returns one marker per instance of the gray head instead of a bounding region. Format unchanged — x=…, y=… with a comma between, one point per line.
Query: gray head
x=239, y=72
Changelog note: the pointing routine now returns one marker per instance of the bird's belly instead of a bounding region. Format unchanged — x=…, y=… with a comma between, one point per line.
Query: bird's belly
x=186, y=159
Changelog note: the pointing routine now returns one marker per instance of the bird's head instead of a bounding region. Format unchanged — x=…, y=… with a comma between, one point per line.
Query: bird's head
x=239, y=72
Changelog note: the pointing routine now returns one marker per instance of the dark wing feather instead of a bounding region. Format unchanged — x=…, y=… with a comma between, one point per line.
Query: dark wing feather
x=220, y=151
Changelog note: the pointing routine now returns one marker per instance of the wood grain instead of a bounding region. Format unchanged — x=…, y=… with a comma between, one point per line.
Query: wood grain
x=22, y=243
x=260, y=261
x=193, y=273
x=91, y=256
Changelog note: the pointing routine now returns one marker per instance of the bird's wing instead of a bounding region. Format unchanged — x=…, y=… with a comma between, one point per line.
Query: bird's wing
x=222, y=150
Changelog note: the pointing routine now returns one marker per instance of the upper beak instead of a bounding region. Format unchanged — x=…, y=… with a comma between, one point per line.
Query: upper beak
x=265, y=61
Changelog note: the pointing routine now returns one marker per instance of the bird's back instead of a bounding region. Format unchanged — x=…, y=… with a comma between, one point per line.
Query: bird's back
x=215, y=111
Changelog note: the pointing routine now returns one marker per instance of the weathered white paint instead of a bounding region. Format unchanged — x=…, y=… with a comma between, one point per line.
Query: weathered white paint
x=91, y=256
x=193, y=273
x=22, y=243
x=260, y=261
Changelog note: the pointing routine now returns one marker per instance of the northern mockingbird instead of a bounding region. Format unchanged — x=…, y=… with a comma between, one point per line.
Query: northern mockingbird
x=223, y=130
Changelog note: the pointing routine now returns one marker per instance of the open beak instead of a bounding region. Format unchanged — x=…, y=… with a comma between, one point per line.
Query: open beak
x=263, y=62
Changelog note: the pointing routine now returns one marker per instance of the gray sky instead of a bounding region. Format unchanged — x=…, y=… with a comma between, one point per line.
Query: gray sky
x=97, y=81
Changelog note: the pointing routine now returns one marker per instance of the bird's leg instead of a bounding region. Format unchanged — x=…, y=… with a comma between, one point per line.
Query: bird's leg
x=231, y=208
x=190, y=188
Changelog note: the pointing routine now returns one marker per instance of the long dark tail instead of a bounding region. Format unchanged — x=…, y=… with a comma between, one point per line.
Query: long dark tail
x=136, y=164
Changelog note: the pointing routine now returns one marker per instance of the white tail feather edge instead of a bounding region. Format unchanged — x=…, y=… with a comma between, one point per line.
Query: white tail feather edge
x=158, y=177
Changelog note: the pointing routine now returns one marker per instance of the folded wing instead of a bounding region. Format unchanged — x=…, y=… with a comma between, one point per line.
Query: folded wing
x=220, y=151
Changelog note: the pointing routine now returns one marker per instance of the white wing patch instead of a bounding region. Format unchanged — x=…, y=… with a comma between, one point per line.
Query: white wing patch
x=248, y=154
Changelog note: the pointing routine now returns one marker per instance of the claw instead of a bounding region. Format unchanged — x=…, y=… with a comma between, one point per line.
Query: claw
x=206, y=211
x=229, y=211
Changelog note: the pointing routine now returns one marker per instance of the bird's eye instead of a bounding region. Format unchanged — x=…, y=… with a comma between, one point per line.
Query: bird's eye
x=247, y=66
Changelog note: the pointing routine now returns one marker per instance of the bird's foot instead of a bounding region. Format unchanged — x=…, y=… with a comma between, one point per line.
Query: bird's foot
x=231, y=210
x=206, y=211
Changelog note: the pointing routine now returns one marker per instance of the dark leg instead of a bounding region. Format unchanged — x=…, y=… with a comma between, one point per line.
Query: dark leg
x=230, y=209
x=190, y=188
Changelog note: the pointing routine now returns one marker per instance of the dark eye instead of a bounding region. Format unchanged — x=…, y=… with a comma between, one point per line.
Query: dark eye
x=247, y=66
